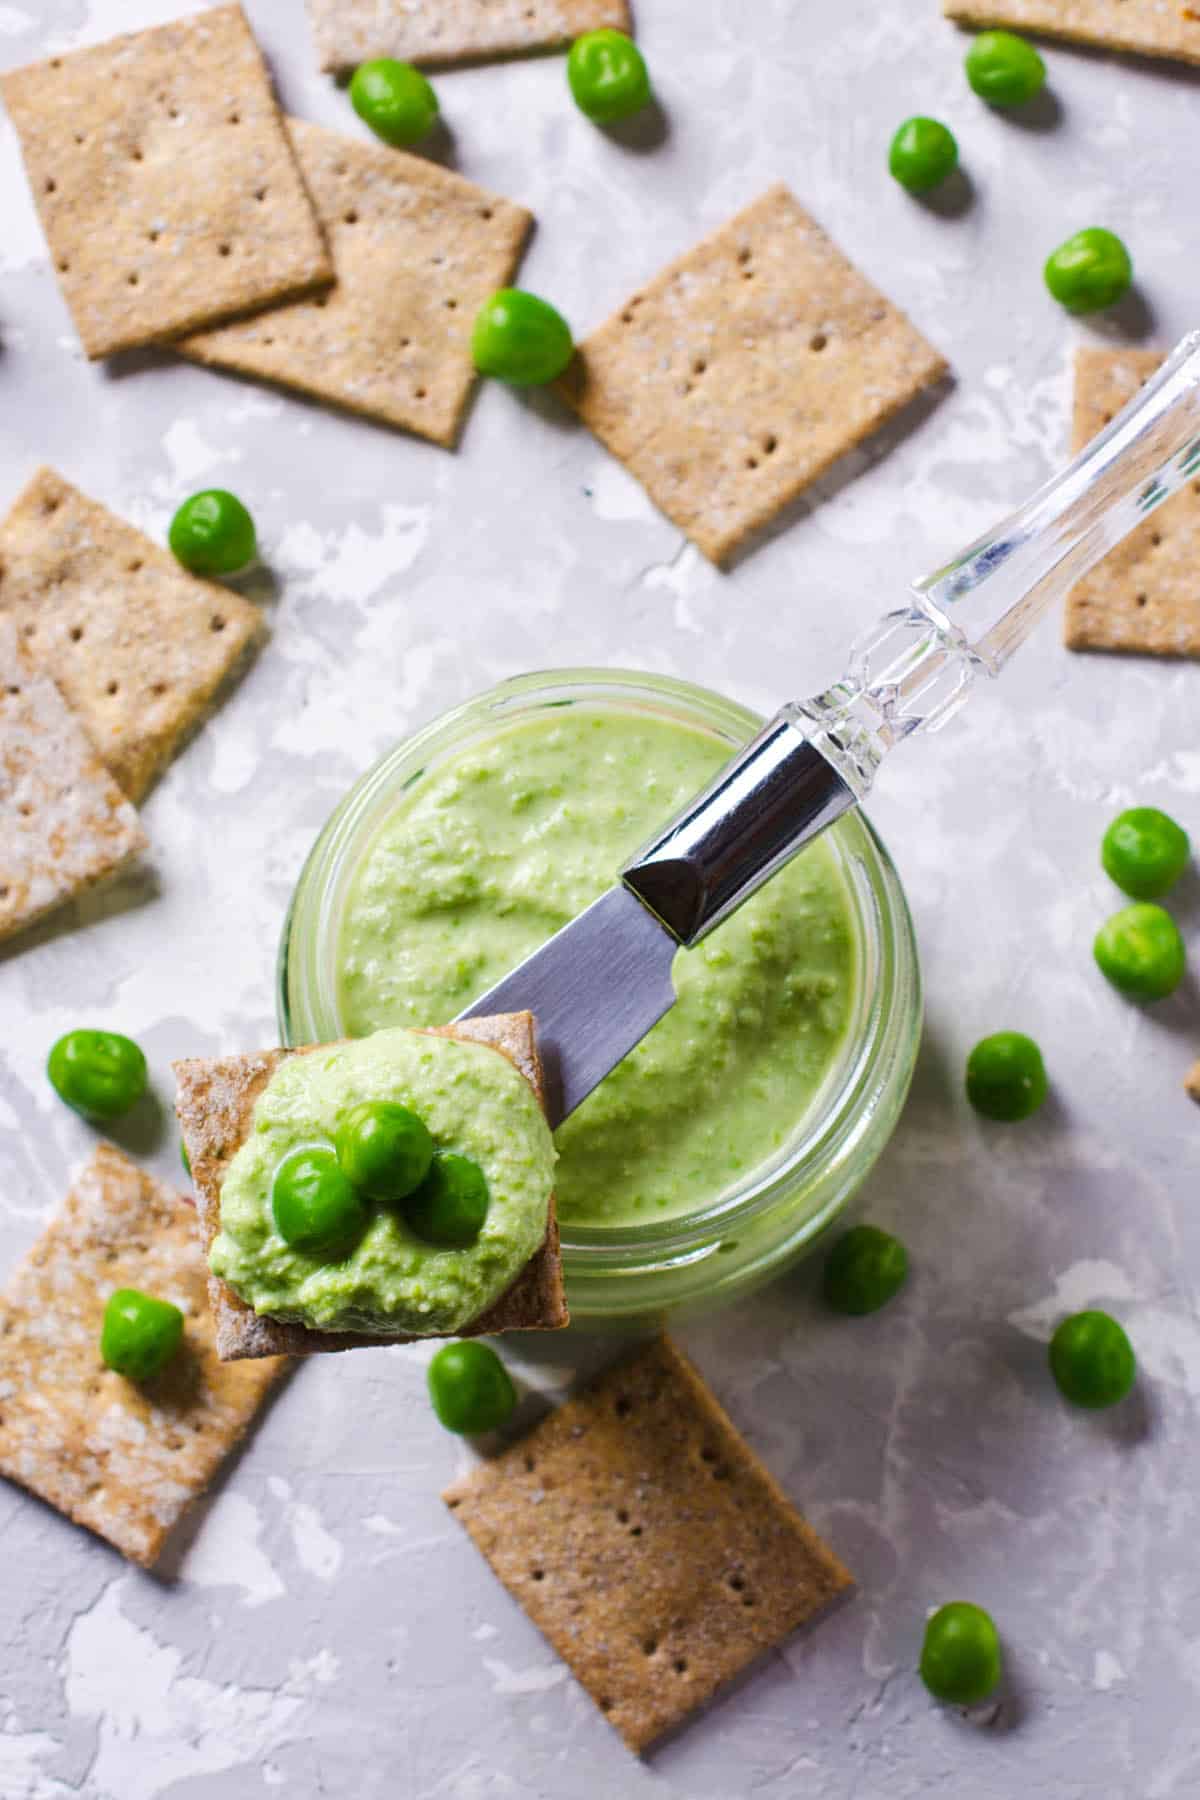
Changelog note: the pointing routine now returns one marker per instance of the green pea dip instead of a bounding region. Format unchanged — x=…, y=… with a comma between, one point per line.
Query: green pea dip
x=495, y=848
x=474, y=1103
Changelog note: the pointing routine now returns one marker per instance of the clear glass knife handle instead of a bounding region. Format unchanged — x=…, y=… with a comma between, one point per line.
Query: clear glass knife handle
x=915, y=668
x=816, y=758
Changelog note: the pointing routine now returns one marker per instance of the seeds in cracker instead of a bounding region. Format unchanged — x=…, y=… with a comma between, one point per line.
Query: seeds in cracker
x=1144, y=27
x=647, y=1542
x=348, y=32
x=417, y=252
x=215, y=1105
x=139, y=648
x=1192, y=1082
x=1145, y=596
x=141, y=253
x=123, y=1460
x=742, y=371
x=64, y=823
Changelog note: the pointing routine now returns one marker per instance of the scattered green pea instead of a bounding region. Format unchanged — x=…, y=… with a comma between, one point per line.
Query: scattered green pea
x=384, y=1150
x=315, y=1208
x=865, y=1269
x=470, y=1388
x=140, y=1334
x=1006, y=1077
x=1092, y=1360
x=394, y=99
x=451, y=1204
x=923, y=153
x=1089, y=271
x=520, y=339
x=213, y=534
x=1145, y=852
x=1141, y=952
x=1003, y=69
x=607, y=76
x=961, y=1661
x=99, y=1073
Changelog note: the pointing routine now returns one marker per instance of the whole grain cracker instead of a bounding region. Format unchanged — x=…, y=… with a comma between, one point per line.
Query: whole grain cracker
x=140, y=649
x=742, y=371
x=1146, y=27
x=124, y=1460
x=432, y=32
x=647, y=1542
x=1192, y=1082
x=215, y=1105
x=164, y=181
x=417, y=252
x=1145, y=595
x=64, y=823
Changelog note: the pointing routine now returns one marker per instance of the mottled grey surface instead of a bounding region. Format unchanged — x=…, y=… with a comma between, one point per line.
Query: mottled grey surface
x=329, y=1630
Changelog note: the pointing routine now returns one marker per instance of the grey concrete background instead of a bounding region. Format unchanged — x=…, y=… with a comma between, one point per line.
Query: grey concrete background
x=327, y=1630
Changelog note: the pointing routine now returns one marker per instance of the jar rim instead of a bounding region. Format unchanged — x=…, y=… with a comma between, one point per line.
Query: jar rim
x=888, y=1005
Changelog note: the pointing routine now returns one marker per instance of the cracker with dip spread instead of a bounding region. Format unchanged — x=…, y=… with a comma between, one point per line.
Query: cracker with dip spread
x=65, y=825
x=433, y=32
x=125, y=1460
x=417, y=251
x=221, y=1108
x=1145, y=595
x=164, y=180
x=140, y=649
x=1145, y=27
x=735, y=378
x=647, y=1542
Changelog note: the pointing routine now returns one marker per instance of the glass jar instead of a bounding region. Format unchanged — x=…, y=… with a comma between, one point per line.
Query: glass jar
x=639, y=1273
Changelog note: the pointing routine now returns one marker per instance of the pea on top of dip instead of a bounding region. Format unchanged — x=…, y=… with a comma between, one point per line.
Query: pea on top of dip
x=475, y=1104
x=500, y=844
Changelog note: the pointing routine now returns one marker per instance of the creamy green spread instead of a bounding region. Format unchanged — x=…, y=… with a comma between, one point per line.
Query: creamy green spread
x=494, y=849
x=474, y=1103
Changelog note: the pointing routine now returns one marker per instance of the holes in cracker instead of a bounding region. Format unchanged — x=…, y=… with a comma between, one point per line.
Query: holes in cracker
x=64, y=267
x=112, y=687
x=537, y=1574
x=158, y=689
x=350, y=216
x=649, y=1645
x=420, y=393
x=1141, y=599
x=736, y=1584
x=50, y=505
x=452, y=305
x=770, y=444
x=224, y=249
x=680, y=1665
x=623, y=1406
x=529, y=1464
x=75, y=633
x=817, y=341
x=260, y=193
x=235, y=118
x=133, y=279
x=604, y=1703
x=217, y=622
x=698, y=365
x=51, y=185
x=752, y=462
x=486, y=212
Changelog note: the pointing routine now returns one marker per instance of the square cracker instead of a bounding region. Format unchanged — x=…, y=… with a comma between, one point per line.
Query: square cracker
x=215, y=1103
x=417, y=252
x=432, y=32
x=1192, y=1082
x=647, y=1542
x=123, y=1459
x=164, y=181
x=64, y=823
x=1146, y=27
x=139, y=648
x=1145, y=595
x=742, y=371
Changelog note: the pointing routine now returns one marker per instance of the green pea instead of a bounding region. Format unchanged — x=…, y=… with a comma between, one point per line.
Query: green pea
x=607, y=76
x=1003, y=69
x=520, y=339
x=100, y=1073
x=140, y=1334
x=315, y=1208
x=1145, y=852
x=384, y=1149
x=470, y=1388
x=961, y=1660
x=1089, y=271
x=922, y=154
x=451, y=1203
x=1006, y=1077
x=213, y=534
x=1092, y=1360
x=1141, y=952
x=394, y=99
x=865, y=1269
